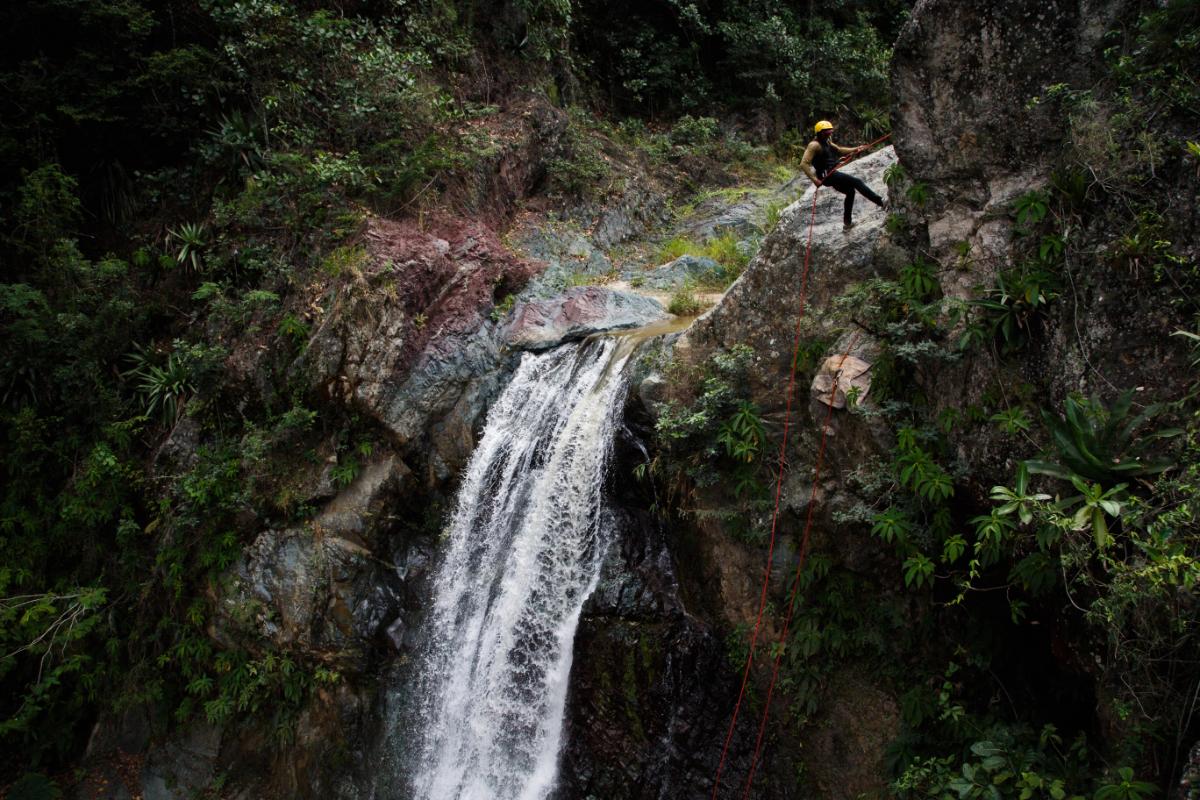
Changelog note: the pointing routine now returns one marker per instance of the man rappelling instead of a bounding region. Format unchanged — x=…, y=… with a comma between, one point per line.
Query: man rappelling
x=820, y=157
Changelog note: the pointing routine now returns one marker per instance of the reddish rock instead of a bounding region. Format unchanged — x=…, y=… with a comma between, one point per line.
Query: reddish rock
x=407, y=338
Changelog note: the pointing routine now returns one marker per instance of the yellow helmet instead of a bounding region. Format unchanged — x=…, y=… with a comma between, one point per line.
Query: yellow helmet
x=823, y=125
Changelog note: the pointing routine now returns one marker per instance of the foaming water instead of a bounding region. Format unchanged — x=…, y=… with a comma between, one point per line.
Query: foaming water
x=524, y=549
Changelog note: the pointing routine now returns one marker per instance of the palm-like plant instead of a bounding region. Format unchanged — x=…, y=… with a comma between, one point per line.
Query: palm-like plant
x=241, y=138
x=192, y=240
x=163, y=388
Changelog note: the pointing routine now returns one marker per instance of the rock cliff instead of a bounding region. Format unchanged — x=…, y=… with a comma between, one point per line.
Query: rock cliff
x=974, y=135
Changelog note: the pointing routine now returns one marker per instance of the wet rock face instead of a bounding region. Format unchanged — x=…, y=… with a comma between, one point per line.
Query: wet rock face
x=299, y=589
x=651, y=688
x=964, y=73
x=319, y=587
x=576, y=314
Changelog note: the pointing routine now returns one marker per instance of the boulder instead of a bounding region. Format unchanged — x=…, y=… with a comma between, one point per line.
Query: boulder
x=576, y=314
x=846, y=368
x=838, y=376
x=674, y=274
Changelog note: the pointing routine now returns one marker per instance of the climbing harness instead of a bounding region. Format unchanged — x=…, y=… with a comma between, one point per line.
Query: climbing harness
x=787, y=418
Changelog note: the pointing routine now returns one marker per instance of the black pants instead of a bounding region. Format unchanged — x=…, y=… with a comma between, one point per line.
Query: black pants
x=847, y=184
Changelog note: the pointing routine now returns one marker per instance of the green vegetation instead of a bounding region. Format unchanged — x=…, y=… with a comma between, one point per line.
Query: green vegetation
x=725, y=249
x=713, y=442
x=659, y=57
x=176, y=176
x=504, y=307
x=684, y=302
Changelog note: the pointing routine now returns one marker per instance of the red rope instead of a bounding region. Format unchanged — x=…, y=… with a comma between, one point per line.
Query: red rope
x=812, y=502
x=762, y=604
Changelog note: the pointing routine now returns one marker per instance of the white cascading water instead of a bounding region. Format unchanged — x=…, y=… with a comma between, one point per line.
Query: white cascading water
x=524, y=550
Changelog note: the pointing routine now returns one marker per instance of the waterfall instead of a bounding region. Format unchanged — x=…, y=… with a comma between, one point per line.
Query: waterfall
x=522, y=554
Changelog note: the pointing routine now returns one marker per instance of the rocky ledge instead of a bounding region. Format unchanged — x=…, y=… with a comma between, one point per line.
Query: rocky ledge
x=577, y=314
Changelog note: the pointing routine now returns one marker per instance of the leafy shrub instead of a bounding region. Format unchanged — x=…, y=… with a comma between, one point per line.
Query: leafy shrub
x=1031, y=208
x=918, y=193
x=684, y=302
x=291, y=327
x=918, y=280
x=689, y=131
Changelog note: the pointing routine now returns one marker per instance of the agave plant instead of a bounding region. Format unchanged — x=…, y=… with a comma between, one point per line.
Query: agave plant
x=192, y=240
x=1104, y=445
x=163, y=388
x=240, y=137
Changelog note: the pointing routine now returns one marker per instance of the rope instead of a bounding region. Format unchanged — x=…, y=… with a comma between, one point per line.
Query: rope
x=762, y=604
x=812, y=502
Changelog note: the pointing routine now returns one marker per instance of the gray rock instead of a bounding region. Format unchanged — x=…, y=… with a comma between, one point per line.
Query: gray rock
x=674, y=274
x=745, y=218
x=640, y=207
x=178, y=453
x=761, y=307
x=183, y=766
x=965, y=72
x=566, y=252
x=356, y=509
x=578, y=313
x=308, y=588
